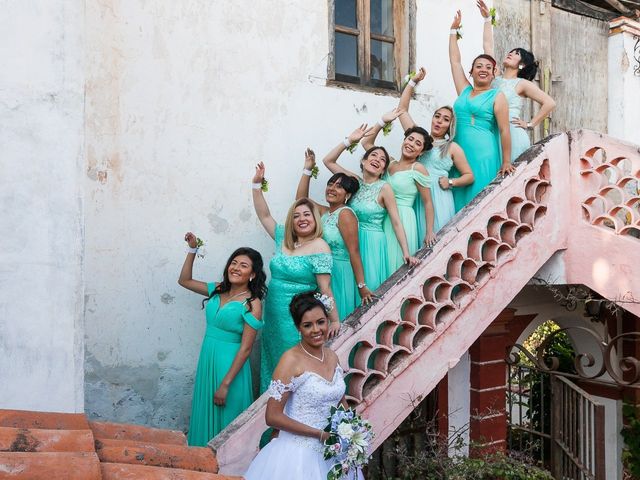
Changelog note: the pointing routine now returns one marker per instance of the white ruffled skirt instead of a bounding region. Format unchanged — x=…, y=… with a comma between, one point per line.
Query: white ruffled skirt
x=292, y=457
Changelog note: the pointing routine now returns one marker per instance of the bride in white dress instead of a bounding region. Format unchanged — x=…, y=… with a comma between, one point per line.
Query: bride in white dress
x=307, y=382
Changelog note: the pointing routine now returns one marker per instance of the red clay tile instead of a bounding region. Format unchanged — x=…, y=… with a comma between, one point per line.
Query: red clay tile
x=201, y=459
x=49, y=466
x=48, y=420
x=137, y=433
x=120, y=471
x=41, y=440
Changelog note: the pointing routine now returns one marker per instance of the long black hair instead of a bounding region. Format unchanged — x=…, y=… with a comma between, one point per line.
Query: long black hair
x=373, y=149
x=528, y=63
x=302, y=303
x=257, y=286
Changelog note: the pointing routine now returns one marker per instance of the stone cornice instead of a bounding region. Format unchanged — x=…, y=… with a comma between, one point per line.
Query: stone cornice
x=622, y=25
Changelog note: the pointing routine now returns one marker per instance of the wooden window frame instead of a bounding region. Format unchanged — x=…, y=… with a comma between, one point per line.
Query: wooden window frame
x=404, y=14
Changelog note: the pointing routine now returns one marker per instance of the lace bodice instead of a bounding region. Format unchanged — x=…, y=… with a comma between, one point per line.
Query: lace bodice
x=311, y=399
x=333, y=237
x=366, y=207
x=508, y=87
x=299, y=269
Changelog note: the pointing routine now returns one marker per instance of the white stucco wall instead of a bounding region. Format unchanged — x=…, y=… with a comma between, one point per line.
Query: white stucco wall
x=41, y=245
x=459, y=408
x=183, y=98
x=624, y=84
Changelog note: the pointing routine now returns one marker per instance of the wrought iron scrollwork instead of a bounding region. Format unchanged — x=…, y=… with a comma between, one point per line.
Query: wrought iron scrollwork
x=609, y=368
x=636, y=56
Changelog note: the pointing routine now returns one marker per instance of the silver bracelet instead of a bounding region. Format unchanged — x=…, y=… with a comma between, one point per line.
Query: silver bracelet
x=346, y=142
x=192, y=250
x=256, y=186
x=306, y=172
x=412, y=83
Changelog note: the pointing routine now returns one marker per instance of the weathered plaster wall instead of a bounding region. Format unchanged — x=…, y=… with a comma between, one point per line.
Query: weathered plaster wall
x=41, y=245
x=183, y=98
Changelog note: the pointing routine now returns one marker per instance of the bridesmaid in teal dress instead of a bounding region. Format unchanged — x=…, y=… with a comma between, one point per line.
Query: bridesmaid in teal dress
x=223, y=388
x=438, y=161
x=519, y=71
x=302, y=262
x=373, y=201
x=482, y=121
x=407, y=178
x=340, y=231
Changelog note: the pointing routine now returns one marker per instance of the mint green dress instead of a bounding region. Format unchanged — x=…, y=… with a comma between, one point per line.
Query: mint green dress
x=343, y=281
x=405, y=188
x=219, y=347
x=443, y=206
x=477, y=134
x=373, y=243
x=290, y=275
x=519, y=138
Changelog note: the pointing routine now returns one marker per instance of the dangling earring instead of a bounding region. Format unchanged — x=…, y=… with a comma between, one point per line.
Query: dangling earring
x=520, y=67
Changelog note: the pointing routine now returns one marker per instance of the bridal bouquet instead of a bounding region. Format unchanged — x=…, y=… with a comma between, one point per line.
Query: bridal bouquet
x=349, y=441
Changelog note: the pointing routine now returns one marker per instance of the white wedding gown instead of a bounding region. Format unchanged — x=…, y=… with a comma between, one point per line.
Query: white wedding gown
x=292, y=456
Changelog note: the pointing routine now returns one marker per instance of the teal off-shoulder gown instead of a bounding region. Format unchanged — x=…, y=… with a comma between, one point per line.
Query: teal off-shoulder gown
x=290, y=275
x=219, y=347
x=404, y=184
x=343, y=281
x=477, y=134
x=373, y=243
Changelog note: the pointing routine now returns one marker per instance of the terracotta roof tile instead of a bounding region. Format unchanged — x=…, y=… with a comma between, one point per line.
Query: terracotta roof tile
x=54, y=421
x=120, y=471
x=41, y=440
x=49, y=466
x=138, y=433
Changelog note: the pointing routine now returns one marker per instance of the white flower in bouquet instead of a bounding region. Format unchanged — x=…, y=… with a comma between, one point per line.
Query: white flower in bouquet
x=345, y=430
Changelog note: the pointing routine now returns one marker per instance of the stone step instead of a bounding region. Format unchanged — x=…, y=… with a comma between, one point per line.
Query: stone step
x=45, y=440
x=46, y=420
x=120, y=471
x=49, y=466
x=200, y=459
x=137, y=433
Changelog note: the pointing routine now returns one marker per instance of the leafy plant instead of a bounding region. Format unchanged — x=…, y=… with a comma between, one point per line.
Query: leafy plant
x=631, y=435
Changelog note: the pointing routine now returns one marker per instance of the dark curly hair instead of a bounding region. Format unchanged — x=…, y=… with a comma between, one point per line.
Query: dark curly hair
x=257, y=286
x=528, y=63
x=428, y=140
x=302, y=303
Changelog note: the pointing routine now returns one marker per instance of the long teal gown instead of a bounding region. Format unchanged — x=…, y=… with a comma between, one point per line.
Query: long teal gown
x=219, y=347
x=519, y=138
x=290, y=275
x=343, y=281
x=477, y=134
x=405, y=188
x=373, y=243
x=443, y=205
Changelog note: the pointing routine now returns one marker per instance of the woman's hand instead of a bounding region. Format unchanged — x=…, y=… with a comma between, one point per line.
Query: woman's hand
x=191, y=239
x=392, y=115
x=520, y=123
x=309, y=159
x=457, y=20
x=324, y=436
x=411, y=261
x=358, y=134
x=220, y=396
x=366, y=295
x=259, y=175
x=420, y=75
x=430, y=239
x=334, y=328
x=444, y=183
x=484, y=10
x=506, y=169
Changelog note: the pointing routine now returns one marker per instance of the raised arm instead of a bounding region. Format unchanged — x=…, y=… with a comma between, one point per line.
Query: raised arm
x=532, y=91
x=369, y=139
x=246, y=345
x=459, y=77
x=487, y=32
x=331, y=159
x=389, y=202
x=405, y=99
x=186, y=274
x=260, y=204
x=348, y=226
x=501, y=111
x=275, y=416
x=305, y=179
